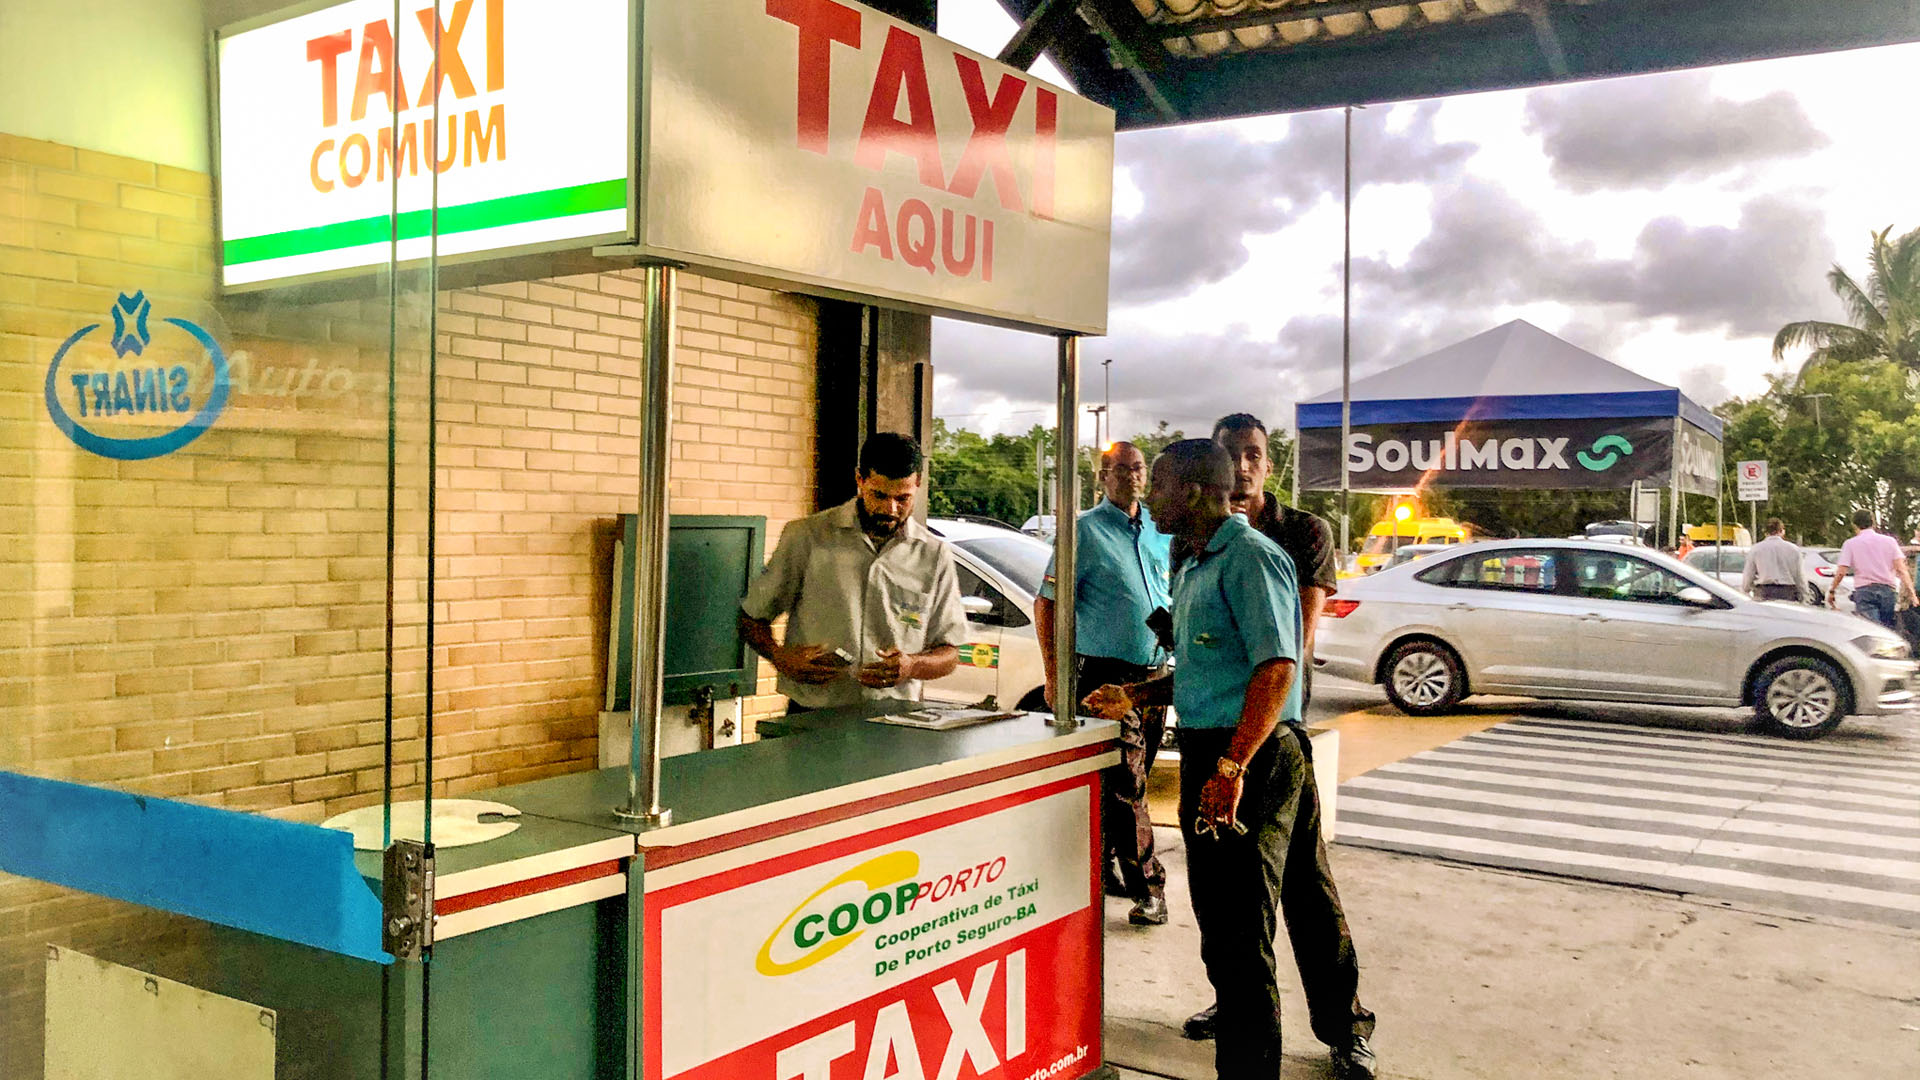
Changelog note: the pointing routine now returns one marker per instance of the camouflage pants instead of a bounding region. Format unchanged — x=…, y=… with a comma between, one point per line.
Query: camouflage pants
x=1126, y=830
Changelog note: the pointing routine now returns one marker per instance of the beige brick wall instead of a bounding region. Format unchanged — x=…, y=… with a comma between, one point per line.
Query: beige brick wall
x=212, y=624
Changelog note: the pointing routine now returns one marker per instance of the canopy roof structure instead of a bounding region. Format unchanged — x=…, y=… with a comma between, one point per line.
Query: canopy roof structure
x=1161, y=62
x=1516, y=371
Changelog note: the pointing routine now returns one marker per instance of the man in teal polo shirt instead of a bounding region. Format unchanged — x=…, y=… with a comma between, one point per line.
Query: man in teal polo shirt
x=1248, y=808
x=1121, y=578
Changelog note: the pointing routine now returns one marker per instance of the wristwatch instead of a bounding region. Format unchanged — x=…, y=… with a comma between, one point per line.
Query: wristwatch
x=1230, y=768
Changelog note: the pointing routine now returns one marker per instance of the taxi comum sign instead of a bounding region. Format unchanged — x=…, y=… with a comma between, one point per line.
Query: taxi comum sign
x=333, y=120
x=809, y=144
x=824, y=144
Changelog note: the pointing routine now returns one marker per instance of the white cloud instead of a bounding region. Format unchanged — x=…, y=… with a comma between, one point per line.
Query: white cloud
x=1673, y=252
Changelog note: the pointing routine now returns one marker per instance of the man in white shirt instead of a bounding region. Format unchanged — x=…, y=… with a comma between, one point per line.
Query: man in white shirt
x=1774, y=567
x=872, y=597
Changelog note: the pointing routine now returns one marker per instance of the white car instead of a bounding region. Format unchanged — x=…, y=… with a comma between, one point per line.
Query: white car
x=1729, y=564
x=1595, y=621
x=1000, y=571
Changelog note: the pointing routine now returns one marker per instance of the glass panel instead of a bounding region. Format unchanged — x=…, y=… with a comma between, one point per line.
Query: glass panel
x=1523, y=570
x=215, y=546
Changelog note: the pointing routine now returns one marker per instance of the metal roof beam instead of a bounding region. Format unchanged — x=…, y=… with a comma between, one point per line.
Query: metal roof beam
x=1549, y=38
x=1131, y=59
x=1041, y=29
x=1273, y=17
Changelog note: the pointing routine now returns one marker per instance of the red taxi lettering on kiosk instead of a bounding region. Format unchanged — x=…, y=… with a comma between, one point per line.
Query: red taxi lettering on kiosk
x=900, y=122
x=963, y=1038
x=821, y=23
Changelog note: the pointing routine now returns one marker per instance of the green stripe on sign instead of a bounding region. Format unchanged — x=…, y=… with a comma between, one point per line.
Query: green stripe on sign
x=487, y=214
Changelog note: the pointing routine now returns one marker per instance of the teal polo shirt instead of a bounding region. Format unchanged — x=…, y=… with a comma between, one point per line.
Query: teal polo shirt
x=1121, y=565
x=1235, y=606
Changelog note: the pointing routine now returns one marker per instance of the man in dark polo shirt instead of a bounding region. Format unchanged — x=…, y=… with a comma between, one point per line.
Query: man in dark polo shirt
x=1306, y=538
x=1309, y=900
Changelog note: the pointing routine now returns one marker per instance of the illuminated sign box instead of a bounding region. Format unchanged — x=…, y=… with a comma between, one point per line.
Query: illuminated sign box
x=807, y=144
x=825, y=144
x=336, y=138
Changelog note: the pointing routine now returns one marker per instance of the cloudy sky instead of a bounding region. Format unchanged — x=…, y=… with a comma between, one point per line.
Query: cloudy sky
x=1670, y=223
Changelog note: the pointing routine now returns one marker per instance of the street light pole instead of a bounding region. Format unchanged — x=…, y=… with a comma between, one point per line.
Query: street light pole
x=1346, y=318
x=1106, y=367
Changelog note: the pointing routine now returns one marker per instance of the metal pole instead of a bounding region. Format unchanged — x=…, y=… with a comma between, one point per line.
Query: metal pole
x=1296, y=467
x=650, y=554
x=1067, y=485
x=1106, y=409
x=1039, y=481
x=1346, y=316
x=1673, y=510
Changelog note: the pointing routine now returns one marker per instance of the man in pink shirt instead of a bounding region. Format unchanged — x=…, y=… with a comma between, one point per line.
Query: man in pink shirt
x=1881, y=570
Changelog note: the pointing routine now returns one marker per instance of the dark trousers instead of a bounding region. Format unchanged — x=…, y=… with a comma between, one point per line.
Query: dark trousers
x=1777, y=592
x=1240, y=883
x=1126, y=829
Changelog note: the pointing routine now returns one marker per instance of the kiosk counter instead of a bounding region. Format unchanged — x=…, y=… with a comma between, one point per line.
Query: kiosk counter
x=831, y=903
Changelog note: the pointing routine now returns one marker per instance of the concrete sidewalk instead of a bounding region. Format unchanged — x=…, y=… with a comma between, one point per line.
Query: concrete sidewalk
x=1486, y=973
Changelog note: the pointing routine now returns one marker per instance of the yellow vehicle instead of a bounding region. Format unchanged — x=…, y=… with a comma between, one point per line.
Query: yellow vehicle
x=1377, y=550
x=1729, y=534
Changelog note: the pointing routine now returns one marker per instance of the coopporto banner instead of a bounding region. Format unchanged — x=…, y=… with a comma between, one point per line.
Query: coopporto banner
x=1582, y=455
x=966, y=943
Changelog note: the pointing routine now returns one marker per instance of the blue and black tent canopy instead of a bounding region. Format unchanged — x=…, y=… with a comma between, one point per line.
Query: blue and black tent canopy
x=1514, y=407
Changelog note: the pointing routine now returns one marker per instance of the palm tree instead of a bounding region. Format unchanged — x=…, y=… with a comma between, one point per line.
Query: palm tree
x=1885, y=314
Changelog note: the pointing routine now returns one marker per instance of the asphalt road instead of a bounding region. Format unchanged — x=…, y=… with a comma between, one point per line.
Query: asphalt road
x=1688, y=801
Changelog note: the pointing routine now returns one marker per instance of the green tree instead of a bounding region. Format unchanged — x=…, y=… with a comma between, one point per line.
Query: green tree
x=1885, y=313
x=1838, y=438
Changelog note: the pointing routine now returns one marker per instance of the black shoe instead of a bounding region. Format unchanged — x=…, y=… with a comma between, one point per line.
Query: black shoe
x=1200, y=1026
x=1354, y=1061
x=1149, y=912
x=1111, y=884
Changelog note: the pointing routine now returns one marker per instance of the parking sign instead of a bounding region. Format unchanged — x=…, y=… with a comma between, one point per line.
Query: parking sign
x=1752, y=481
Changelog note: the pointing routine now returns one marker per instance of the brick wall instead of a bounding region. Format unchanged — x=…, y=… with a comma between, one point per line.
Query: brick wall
x=212, y=624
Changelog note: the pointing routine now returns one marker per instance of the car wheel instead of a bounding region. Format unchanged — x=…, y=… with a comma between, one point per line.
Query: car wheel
x=1801, y=697
x=1424, y=678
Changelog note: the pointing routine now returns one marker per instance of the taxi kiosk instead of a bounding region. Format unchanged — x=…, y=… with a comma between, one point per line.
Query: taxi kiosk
x=851, y=898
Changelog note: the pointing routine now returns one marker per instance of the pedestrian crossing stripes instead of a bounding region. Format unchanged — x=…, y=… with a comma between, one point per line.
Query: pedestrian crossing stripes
x=1820, y=828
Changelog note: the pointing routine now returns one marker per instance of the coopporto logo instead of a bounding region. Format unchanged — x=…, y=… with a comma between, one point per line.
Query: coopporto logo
x=863, y=897
x=105, y=394
x=1606, y=450
x=816, y=934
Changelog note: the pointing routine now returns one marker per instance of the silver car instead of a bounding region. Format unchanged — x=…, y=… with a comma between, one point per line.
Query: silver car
x=1579, y=619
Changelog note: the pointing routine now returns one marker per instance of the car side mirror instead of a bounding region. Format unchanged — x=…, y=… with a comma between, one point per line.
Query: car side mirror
x=976, y=605
x=1696, y=596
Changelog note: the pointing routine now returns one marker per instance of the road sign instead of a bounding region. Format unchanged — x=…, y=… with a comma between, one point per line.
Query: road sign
x=1752, y=480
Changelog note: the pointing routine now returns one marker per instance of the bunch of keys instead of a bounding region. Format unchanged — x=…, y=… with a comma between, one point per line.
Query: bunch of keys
x=1210, y=827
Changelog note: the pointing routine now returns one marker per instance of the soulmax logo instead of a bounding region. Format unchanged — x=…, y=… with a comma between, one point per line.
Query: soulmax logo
x=157, y=392
x=1454, y=454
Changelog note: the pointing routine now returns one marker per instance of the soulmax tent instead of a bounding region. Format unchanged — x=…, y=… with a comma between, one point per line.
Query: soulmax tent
x=1514, y=407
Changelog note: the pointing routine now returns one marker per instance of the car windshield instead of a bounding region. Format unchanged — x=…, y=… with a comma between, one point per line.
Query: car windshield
x=1020, y=559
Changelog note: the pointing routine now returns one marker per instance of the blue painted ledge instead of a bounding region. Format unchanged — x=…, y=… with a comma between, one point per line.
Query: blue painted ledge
x=278, y=878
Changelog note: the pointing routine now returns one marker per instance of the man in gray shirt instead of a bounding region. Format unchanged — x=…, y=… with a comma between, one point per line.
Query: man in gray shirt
x=872, y=598
x=1774, y=567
